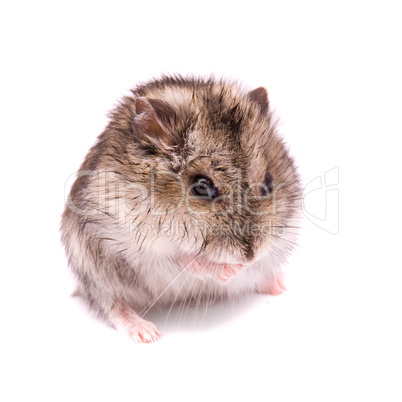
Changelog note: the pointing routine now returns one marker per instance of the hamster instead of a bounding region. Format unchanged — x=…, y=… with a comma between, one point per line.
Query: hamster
x=188, y=195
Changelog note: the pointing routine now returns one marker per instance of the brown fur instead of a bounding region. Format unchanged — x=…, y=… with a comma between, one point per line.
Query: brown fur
x=171, y=128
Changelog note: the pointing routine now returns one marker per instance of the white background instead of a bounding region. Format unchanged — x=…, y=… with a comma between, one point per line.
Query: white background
x=333, y=72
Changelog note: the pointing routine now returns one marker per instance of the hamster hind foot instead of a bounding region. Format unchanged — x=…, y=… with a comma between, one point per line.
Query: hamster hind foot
x=125, y=319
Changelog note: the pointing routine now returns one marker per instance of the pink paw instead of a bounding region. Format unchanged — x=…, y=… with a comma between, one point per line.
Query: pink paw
x=204, y=268
x=228, y=272
x=275, y=286
x=142, y=331
x=139, y=330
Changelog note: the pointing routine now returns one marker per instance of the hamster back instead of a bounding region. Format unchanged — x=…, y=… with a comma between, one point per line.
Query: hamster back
x=188, y=195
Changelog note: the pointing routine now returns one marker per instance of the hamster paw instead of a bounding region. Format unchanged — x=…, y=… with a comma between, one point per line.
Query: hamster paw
x=142, y=331
x=139, y=330
x=276, y=285
x=204, y=268
x=228, y=272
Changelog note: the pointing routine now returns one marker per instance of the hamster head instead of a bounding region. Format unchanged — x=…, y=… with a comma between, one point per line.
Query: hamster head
x=197, y=168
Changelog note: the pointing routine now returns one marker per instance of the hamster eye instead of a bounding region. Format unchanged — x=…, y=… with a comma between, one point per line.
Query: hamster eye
x=204, y=188
x=268, y=185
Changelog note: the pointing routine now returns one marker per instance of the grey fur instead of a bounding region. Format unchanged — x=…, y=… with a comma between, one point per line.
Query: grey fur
x=179, y=128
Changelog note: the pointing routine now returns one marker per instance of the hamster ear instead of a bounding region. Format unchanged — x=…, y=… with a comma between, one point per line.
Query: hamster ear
x=260, y=96
x=154, y=119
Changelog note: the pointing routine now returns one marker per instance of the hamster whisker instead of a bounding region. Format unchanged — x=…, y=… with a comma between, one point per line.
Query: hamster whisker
x=187, y=299
x=286, y=227
x=149, y=306
x=106, y=213
x=283, y=239
x=175, y=298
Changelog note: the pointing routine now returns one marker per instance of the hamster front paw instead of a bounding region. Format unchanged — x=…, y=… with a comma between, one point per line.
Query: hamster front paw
x=204, y=268
x=125, y=319
x=275, y=285
x=227, y=272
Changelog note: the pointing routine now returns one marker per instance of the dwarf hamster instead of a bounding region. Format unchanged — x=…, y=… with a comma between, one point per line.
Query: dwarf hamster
x=188, y=194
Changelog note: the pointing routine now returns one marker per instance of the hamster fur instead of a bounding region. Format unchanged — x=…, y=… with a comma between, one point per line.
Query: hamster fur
x=189, y=194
